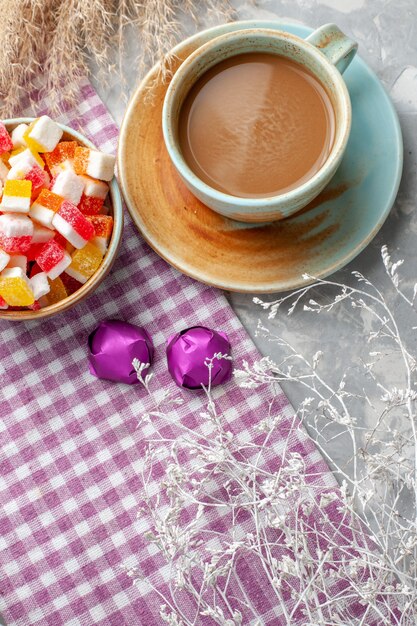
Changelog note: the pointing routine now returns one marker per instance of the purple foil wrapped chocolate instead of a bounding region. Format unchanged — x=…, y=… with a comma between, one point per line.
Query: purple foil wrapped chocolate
x=188, y=352
x=112, y=347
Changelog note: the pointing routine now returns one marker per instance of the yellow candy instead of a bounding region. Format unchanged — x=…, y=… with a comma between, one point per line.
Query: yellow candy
x=32, y=144
x=57, y=292
x=15, y=287
x=85, y=262
x=33, y=152
x=16, y=196
x=18, y=188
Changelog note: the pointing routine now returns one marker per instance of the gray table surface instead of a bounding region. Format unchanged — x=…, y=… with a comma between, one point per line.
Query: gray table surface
x=386, y=31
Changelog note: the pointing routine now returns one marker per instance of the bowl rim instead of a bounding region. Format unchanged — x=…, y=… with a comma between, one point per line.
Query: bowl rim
x=108, y=259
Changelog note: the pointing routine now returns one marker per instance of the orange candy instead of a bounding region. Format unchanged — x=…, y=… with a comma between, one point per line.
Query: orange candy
x=81, y=160
x=103, y=225
x=64, y=150
x=50, y=200
x=57, y=292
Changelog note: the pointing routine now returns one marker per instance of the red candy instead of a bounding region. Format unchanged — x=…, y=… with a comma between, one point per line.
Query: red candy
x=34, y=251
x=89, y=205
x=6, y=143
x=60, y=239
x=39, y=180
x=35, y=269
x=76, y=219
x=15, y=245
x=52, y=254
x=71, y=284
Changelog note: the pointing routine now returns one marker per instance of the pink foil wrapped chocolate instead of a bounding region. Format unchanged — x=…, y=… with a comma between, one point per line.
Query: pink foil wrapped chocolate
x=188, y=353
x=112, y=347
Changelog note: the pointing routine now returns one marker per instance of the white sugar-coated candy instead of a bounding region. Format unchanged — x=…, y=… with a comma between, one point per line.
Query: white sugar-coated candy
x=16, y=272
x=67, y=231
x=4, y=171
x=4, y=259
x=18, y=260
x=17, y=136
x=100, y=165
x=61, y=167
x=25, y=155
x=46, y=133
x=40, y=285
x=95, y=188
x=15, y=204
x=14, y=225
x=69, y=186
x=42, y=234
x=76, y=275
x=42, y=215
x=21, y=168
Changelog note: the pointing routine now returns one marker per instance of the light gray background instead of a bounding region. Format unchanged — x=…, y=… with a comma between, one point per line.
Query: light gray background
x=386, y=31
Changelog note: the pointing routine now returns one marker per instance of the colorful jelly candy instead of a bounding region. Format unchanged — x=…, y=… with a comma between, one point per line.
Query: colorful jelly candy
x=16, y=196
x=56, y=293
x=84, y=263
x=64, y=151
x=45, y=207
x=39, y=179
x=6, y=143
x=15, y=287
x=43, y=134
x=94, y=188
x=71, y=284
x=25, y=170
x=40, y=236
x=89, y=205
x=68, y=185
x=103, y=228
x=94, y=163
x=34, y=251
x=53, y=233
x=16, y=233
x=53, y=259
x=73, y=225
x=25, y=154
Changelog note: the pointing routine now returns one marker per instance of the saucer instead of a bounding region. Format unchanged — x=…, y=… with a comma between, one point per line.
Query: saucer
x=261, y=258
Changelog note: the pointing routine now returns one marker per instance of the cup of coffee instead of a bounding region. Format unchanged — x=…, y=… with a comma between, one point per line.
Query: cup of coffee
x=256, y=121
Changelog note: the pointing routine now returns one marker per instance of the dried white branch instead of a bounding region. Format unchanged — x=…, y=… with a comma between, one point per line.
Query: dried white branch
x=330, y=555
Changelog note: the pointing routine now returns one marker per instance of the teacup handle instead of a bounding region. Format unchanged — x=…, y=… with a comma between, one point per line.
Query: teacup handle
x=334, y=44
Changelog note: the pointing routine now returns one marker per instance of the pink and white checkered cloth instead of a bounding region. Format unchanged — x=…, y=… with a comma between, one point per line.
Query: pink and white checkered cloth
x=70, y=446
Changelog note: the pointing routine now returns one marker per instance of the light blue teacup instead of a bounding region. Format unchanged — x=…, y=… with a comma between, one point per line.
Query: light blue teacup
x=326, y=53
